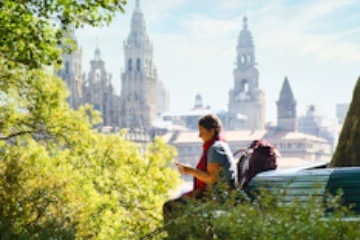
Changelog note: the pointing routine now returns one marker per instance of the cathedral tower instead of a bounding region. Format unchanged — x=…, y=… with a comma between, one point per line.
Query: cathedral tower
x=71, y=72
x=139, y=78
x=246, y=99
x=286, y=109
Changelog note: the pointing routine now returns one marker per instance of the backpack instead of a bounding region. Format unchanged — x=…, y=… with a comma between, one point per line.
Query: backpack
x=260, y=156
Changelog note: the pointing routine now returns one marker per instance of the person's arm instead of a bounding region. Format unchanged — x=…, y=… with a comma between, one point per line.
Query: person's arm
x=210, y=176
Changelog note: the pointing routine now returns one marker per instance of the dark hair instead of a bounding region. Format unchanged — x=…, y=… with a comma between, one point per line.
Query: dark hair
x=211, y=121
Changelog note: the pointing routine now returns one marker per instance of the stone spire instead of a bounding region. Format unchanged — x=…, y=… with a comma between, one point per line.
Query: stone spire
x=97, y=54
x=286, y=108
x=286, y=94
x=245, y=26
x=198, y=101
x=137, y=20
x=245, y=38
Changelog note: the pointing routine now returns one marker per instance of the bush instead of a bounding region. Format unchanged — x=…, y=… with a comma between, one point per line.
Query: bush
x=268, y=217
x=59, y=179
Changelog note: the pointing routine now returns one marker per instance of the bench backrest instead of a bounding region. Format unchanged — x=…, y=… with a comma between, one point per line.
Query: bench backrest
x=304, y=185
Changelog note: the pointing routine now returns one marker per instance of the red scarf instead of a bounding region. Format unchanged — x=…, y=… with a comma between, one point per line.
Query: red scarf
x=202, y=165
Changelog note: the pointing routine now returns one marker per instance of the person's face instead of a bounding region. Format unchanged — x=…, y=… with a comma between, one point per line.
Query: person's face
x=205, y=134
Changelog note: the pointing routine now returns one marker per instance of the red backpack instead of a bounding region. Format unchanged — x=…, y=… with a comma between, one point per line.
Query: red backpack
x=260, y=156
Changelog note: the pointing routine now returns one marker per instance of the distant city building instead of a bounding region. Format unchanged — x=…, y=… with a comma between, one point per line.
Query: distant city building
x=144, y=98
x=315, y=123
x=138, y=107
x=286, y=109
x=71, y=73
x=189, y=119
x=163, y=99
x=296, y=145
x=341, y=111
x=246, y=99
x=296, y=148
x=286, y=138
x=198, y=102
x=99, y=91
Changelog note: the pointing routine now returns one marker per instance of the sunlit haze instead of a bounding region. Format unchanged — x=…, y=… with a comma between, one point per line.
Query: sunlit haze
x=316, y=44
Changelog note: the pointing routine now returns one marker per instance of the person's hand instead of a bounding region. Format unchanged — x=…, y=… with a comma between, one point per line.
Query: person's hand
x=183, y=168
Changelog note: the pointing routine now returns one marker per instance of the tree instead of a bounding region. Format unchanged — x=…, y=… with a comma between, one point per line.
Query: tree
x=59, y=179
x=28, y=35
x=347, y=152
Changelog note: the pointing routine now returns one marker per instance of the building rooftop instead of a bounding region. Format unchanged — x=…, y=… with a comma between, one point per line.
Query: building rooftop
x=286, y=135
x=230, y=136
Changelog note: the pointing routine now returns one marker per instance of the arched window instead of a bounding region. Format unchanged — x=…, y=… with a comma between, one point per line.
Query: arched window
x=243, y=59
x=97, y=75
x=245, y=85
x=129, y=65
x=138, y=64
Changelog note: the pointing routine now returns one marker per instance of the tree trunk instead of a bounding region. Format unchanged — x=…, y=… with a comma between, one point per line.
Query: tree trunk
x=347, y=152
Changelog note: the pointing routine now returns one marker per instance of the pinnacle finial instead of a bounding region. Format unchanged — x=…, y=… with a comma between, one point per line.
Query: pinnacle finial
x=137, y=6
x=245, y=19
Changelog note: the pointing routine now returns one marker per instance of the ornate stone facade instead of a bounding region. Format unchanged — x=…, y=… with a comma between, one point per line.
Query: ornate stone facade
x=143, y=98
x=99, y=91
x=71, y=73
x=246, y=98
x=138, y=105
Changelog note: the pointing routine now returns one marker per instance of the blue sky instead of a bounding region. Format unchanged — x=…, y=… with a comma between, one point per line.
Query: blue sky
x=316, y=44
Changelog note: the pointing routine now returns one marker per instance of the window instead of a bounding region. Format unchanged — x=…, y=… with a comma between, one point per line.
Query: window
x=97, y=107
x=243, y=59
x=129, y=65
x=138, y=64
x=245, y=85
x=97, y=75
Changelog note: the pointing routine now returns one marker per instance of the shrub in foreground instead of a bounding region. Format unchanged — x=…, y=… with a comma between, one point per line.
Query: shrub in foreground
x=268, y=217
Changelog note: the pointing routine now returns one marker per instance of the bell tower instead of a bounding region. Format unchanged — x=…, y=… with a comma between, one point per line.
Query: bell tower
x=286, y=109
x=139, y=78
x=246, y=100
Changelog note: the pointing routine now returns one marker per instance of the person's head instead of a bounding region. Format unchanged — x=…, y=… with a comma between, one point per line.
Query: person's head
x=209, y=127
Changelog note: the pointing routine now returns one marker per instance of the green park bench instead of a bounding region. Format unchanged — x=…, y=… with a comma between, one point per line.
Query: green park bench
x=309, y=182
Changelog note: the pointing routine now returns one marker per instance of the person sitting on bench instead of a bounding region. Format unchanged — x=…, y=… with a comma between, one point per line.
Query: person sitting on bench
x=216, y=164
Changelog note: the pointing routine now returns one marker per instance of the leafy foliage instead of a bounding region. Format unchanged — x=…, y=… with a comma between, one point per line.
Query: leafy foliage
x=266, y=218
x=28, y=36
x=61, y=179
x=347, y=152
